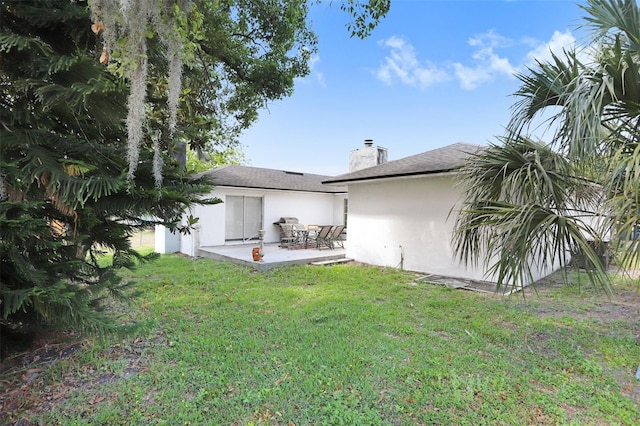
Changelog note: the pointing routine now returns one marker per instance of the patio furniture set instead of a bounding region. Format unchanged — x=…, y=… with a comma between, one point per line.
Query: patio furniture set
x=294, y=235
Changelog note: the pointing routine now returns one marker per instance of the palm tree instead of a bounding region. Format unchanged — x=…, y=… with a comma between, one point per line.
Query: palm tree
x=529, y=203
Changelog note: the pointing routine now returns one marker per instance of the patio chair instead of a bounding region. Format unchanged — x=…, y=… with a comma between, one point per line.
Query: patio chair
x=322, y=236
x=335, y=237
x=286, y=235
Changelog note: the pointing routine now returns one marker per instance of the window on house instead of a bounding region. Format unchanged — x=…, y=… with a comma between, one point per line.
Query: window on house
x=243, y=217
x=345, y=211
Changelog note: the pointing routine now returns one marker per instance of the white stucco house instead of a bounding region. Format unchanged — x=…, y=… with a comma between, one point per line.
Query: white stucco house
x=402, y=212
x=254, y=199
x=398, y=213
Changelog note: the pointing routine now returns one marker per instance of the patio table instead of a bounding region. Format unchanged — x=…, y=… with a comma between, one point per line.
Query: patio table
x=311, y=232
x=301, y=235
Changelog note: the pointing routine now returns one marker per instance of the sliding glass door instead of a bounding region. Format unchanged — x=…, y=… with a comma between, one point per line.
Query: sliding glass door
x=243, y=217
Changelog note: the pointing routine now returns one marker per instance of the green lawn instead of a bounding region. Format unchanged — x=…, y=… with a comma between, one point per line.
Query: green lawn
x=346, y=345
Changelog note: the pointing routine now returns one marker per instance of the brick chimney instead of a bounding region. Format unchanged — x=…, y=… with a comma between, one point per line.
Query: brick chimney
x=368, y=156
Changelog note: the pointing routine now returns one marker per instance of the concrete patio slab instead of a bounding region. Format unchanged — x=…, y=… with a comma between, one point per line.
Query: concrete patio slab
x=274, y=255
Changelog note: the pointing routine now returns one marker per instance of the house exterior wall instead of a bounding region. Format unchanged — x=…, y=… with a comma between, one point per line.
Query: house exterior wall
x=165, y=241
x=404, y=222
x=408, y=222
x=307, y=207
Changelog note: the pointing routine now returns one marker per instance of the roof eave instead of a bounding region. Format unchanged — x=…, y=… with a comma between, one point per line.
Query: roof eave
x=387, y=176
x=280, y=189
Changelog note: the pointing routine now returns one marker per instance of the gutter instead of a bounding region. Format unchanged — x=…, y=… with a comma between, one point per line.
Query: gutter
x=278, y=189
x=393, y=175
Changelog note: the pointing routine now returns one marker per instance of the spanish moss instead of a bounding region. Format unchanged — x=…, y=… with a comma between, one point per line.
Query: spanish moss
x=130, y=20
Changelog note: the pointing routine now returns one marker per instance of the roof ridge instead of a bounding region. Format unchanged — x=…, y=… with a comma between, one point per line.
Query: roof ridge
x=263, y=178
x=437, y=160
x=421, y=154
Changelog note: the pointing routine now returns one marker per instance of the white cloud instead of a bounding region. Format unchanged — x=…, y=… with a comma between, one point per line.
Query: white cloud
x=486, y=64
x=559, y=42
x=319, y=75
x=402, y=64
x=490, y=39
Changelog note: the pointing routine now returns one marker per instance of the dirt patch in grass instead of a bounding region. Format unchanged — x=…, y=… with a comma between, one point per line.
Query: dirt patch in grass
x=540, y=299
x=26, y=387
x=23, y=381
x=621, y=309
x=589, y=303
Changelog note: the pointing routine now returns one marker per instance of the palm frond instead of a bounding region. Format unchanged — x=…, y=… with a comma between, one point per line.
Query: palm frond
x=544, y=85
x=603, y=16
x=524, y=211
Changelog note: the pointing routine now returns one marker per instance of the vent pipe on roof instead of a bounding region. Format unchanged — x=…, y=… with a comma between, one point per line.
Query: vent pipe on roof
x=368, y=156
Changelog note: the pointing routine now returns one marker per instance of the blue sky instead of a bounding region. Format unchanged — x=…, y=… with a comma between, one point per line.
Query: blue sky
x=433, y=73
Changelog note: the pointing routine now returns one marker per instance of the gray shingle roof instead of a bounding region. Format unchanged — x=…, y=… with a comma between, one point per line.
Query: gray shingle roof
x=439, y=160
x=259, y=178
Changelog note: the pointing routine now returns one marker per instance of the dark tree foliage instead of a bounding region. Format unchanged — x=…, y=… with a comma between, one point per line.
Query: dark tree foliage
x=237, y=54
x=245, y=54
x=64, y=196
